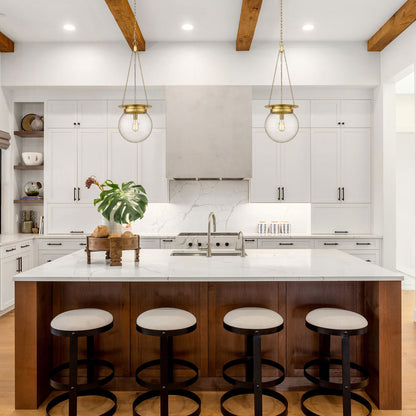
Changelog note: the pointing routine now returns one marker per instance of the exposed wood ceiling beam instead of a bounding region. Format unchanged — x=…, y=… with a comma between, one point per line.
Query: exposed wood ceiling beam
x=124, y=16
x=6, y=44
x=399, y=22
x=250, y=10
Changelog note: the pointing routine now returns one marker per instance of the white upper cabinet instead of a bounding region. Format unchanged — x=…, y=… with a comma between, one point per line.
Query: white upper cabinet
x=303, y=113
x=280, y=171
x=157, y=113
x=341, y=165
x=62, y=114
x=343, y=113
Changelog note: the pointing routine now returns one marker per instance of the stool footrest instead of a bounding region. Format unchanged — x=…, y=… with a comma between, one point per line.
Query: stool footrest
x=242, y=391
x=321, y=392
x=249, y=384
x=94, y=392
x=336, y=386
x=155, y=393
x=173, y=385
x=86, y=386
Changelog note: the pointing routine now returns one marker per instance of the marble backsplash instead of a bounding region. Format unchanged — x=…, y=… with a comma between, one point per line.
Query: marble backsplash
x=192, y=201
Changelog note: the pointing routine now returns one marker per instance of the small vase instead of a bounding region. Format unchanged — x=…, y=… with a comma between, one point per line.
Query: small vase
x=37, y=123
x=113, y=226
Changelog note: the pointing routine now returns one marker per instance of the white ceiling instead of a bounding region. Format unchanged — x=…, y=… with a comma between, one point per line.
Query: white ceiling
x=214, y=20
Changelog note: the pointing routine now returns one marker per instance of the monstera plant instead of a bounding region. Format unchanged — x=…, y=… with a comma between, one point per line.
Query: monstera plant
x=122, y=204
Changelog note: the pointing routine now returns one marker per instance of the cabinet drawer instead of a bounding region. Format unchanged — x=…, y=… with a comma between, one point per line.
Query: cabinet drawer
x=50, y=255
x=10, y=250
x=149, y=243
x=348, y=244
x=370, y=256
x=25, y=246
x=250, y=243
x=62, y=244
x=272, y=243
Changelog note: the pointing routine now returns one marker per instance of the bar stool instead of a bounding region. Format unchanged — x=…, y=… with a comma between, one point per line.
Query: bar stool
x=75, y=324
x=343, y=323
x=253, y=323
x=166, y=323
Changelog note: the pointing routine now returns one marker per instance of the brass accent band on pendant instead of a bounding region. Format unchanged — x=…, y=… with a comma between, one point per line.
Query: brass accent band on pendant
x=135, y=108
x=281, y=108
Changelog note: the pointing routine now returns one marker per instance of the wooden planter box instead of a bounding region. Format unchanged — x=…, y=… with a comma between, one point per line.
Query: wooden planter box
x=113, y=247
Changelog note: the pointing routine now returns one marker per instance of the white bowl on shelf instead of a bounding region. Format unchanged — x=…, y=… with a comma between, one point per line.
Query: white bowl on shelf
x=32, y=158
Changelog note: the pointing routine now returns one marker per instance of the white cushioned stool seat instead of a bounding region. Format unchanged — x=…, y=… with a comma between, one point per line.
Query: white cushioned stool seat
x=338, y=319
x=253, y=318
x=81, y=320
x=166, y=319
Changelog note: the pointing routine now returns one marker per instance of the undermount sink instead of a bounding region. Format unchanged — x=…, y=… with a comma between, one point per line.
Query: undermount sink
x=190, y=253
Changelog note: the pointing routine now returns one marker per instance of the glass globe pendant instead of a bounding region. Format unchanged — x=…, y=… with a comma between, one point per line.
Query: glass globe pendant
x=281, y=124
x=135, y=125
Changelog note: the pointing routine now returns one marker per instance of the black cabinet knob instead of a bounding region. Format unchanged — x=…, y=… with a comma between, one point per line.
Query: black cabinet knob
x=199, y=244
x=217, y=244
x=190, y=244
x=227, y=244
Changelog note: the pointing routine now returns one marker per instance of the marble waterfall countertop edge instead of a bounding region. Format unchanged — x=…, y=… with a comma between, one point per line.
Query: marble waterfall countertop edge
x=259, y=265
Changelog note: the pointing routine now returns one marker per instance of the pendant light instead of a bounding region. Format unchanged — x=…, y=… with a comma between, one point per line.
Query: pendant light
x=281, y=124
x=135, y=125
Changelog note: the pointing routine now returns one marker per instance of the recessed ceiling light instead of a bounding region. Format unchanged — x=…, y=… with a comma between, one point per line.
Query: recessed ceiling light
x=69, y=27
x=308, y=27
x=187, y=26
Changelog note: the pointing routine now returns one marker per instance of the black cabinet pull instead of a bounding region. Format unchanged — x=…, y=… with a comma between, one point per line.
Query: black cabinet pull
x=167, y=241
x=339, y=123
x=278, y=196
x=283, y=193
x=339, y=194
x=340, y=232
x=363, y=244
x=76, y=232
x=10, y=249
x=78, y=193
x=285, y=244
x=249, y=241
x=343, y=194
x=330, y=244
x=54, y=244
x=343, y=123
x=17, y=265
x=368, y=261
x=75, y=190
x=75, y=123
x=27, y=245
x=79, y=124
x=82, y=244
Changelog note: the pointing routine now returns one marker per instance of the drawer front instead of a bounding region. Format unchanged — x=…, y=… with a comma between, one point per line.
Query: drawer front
x=284, y=244
x=168, y=243
x=370, y=256
x=49, y=255
x=25, y=246
x=250, y=243
x=348, y=244
x=62, y=244
x=10, y=250
x=149, y=243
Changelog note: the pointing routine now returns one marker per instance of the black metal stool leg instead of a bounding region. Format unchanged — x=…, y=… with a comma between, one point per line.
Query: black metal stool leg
x=249, y=356
x=324, y=356
x=164, y=375
x=258, y=403
x=170, y=359
x=73, y=375
x=90, y=357
x=346, y=375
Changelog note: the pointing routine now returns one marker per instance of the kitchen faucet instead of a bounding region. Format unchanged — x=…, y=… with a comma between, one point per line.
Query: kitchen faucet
x=213, y=220
x=243, y=244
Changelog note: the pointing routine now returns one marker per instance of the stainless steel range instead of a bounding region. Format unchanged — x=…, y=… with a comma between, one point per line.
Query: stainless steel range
x=199, y=240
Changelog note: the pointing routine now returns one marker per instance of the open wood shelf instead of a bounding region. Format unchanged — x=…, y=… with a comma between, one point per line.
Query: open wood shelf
x=24, y=167
x=28, y=201
x=22, y=133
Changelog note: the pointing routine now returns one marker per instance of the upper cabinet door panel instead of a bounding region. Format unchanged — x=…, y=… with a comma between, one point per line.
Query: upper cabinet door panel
x=61, y=166
x=61, y=114
x=153, y=166
x=157, y=113
x=356, y=165
x=295, y=168
x=92, y=160
x=303, y=113
x=324, y=165
x=356, y=113
x=325, y=113
x=123, y=159
x=266, y=168
x=92, y=114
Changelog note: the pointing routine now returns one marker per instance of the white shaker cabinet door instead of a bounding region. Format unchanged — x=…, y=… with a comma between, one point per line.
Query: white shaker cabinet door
x=92, y=160
x=325, y=113
x=324, y=165
x=92, y=114
x=61, y=114
x=123, y=159
x=152, y=166
x=295, y=168
x=356, y=165
x=61, y=166
x=356, y=113
x=9, y=268
x=266, y=168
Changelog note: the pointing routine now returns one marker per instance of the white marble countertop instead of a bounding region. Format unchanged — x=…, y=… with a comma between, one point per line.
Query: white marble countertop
x=259, y=265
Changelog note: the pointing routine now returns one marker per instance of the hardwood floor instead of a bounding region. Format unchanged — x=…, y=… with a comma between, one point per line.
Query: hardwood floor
x=210, y=400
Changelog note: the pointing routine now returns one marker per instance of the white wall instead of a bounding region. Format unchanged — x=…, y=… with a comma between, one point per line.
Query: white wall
x=4, y=106
x=105, y=64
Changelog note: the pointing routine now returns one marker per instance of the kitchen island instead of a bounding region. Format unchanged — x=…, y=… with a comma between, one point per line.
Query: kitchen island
x=291, y=282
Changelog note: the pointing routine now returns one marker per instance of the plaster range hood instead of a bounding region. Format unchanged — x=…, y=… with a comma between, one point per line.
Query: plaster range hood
x=208, y=132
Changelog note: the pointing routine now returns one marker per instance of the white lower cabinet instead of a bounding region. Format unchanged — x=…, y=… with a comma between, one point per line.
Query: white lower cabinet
x=370, y=256
x=53, y=248
x=284, y=243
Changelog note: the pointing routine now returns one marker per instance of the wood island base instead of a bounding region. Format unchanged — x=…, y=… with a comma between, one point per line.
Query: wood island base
x=210, y=346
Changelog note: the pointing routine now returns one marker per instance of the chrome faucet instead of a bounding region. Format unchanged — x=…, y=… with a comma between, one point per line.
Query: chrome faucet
x=211, y=218
x=243, y=244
